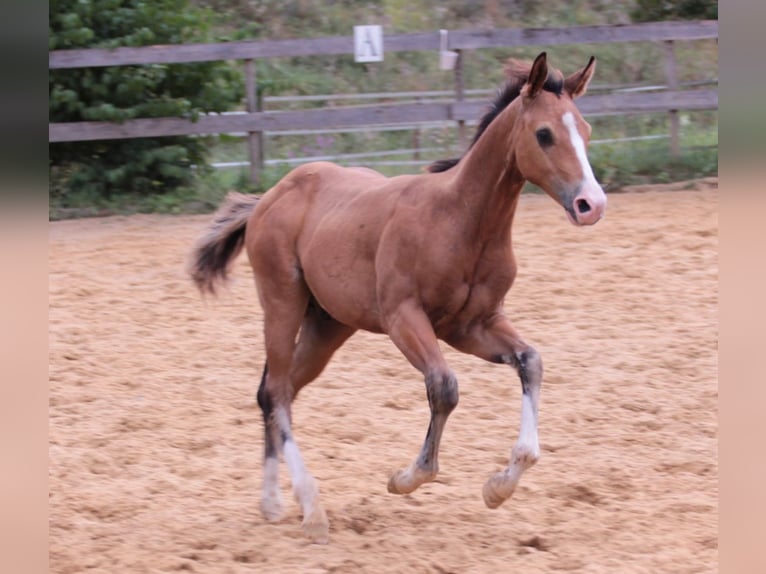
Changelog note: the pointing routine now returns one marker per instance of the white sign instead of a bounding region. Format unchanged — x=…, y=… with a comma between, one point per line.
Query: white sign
x=368, y=43
x=447, y=58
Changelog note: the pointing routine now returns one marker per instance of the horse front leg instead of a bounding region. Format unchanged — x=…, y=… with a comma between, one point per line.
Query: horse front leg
x=526, y=451
x=413, y=334
x=442, y=392
x=498, y=342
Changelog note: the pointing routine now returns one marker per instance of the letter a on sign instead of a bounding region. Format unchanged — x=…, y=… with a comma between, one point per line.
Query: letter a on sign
x=368, y=44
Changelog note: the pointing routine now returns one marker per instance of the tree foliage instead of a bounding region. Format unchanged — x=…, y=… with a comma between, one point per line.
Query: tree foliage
x=657, y=10
x=120, y=93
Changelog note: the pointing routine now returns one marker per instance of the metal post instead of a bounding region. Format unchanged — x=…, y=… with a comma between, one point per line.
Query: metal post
x=460, y=96
x=671, y=73
x=254, y=139
x=416, y=139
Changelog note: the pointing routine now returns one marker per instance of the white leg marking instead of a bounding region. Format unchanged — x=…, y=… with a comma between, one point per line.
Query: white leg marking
x=301, y=479
x=305, y=489
x=271, y=498
x=524, y=454
x=528, y=431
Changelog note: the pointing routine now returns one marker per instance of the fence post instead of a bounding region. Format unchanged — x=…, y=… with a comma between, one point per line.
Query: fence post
x=416, y=133
x=460, y=96
x=254, y=139
x=671, y=73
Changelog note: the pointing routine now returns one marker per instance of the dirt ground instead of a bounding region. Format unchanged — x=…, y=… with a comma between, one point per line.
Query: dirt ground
x=156, y=439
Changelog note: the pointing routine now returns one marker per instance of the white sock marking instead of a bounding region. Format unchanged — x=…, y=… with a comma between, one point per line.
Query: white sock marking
x=294, y=461
x=271, y=498
x=528, y=431
x=304, y=485
x=271, y=474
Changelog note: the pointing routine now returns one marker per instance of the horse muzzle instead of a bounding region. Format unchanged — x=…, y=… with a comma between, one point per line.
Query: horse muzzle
x=588, y=207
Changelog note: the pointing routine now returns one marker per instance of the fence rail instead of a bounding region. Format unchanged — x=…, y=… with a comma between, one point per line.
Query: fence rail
x=352, y=159
x=356, y=116
x=459, y=110
x=457, y=40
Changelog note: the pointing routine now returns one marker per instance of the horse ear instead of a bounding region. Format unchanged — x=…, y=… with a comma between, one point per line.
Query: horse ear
x=537, y=76
x=577, y=84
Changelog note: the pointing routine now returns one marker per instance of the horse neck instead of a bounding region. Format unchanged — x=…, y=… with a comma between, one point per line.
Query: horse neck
x=488, y=180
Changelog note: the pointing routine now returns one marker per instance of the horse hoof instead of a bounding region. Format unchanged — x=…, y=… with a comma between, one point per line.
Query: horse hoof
x=392, y=485
x=401, y=482
x=316, y=527
x=496, y=490
x=407, y=480
x=271, y=508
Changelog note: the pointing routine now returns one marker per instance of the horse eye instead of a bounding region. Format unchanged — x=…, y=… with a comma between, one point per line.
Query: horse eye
x=544, y=137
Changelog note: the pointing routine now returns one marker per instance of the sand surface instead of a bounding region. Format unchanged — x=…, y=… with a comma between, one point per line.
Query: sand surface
x=156, y=439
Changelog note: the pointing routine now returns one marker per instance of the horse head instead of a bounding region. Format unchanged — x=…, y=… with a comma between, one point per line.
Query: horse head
x=552, y=138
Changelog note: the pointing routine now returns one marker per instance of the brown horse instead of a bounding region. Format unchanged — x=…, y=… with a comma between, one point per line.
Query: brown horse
x=417, y=257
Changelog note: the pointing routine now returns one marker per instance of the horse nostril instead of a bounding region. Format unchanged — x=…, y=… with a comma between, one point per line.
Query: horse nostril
x=582, y=206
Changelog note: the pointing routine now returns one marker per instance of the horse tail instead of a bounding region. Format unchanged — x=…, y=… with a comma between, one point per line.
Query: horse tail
x=222, y=242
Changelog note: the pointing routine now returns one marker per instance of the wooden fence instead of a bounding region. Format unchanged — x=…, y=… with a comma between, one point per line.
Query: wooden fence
x=459, y=110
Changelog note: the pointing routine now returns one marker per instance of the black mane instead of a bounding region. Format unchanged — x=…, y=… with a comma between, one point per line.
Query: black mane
x=554, y=83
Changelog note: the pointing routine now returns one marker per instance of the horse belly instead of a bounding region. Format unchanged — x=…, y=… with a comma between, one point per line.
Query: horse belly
x=342, y=281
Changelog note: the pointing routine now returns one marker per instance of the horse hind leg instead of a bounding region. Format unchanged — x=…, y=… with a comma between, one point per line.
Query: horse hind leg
x=319, y=337
x=284, y=299
x=271, y=498
x=304, y=486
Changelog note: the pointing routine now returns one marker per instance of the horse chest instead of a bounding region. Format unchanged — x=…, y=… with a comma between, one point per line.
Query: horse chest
x=464, y=299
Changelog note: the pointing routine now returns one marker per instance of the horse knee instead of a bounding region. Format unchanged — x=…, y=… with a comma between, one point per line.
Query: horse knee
x=442, y=392
x=530, y=367
x=530, y=360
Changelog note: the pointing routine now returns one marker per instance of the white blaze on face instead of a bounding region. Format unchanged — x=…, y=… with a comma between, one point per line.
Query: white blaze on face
x=590, y=191
x=579, y=147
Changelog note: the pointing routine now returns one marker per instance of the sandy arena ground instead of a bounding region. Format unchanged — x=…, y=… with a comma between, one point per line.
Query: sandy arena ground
x=156, y=439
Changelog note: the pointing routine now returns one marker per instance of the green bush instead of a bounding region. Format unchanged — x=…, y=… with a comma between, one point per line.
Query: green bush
x=657, y=10
x=139, y=166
